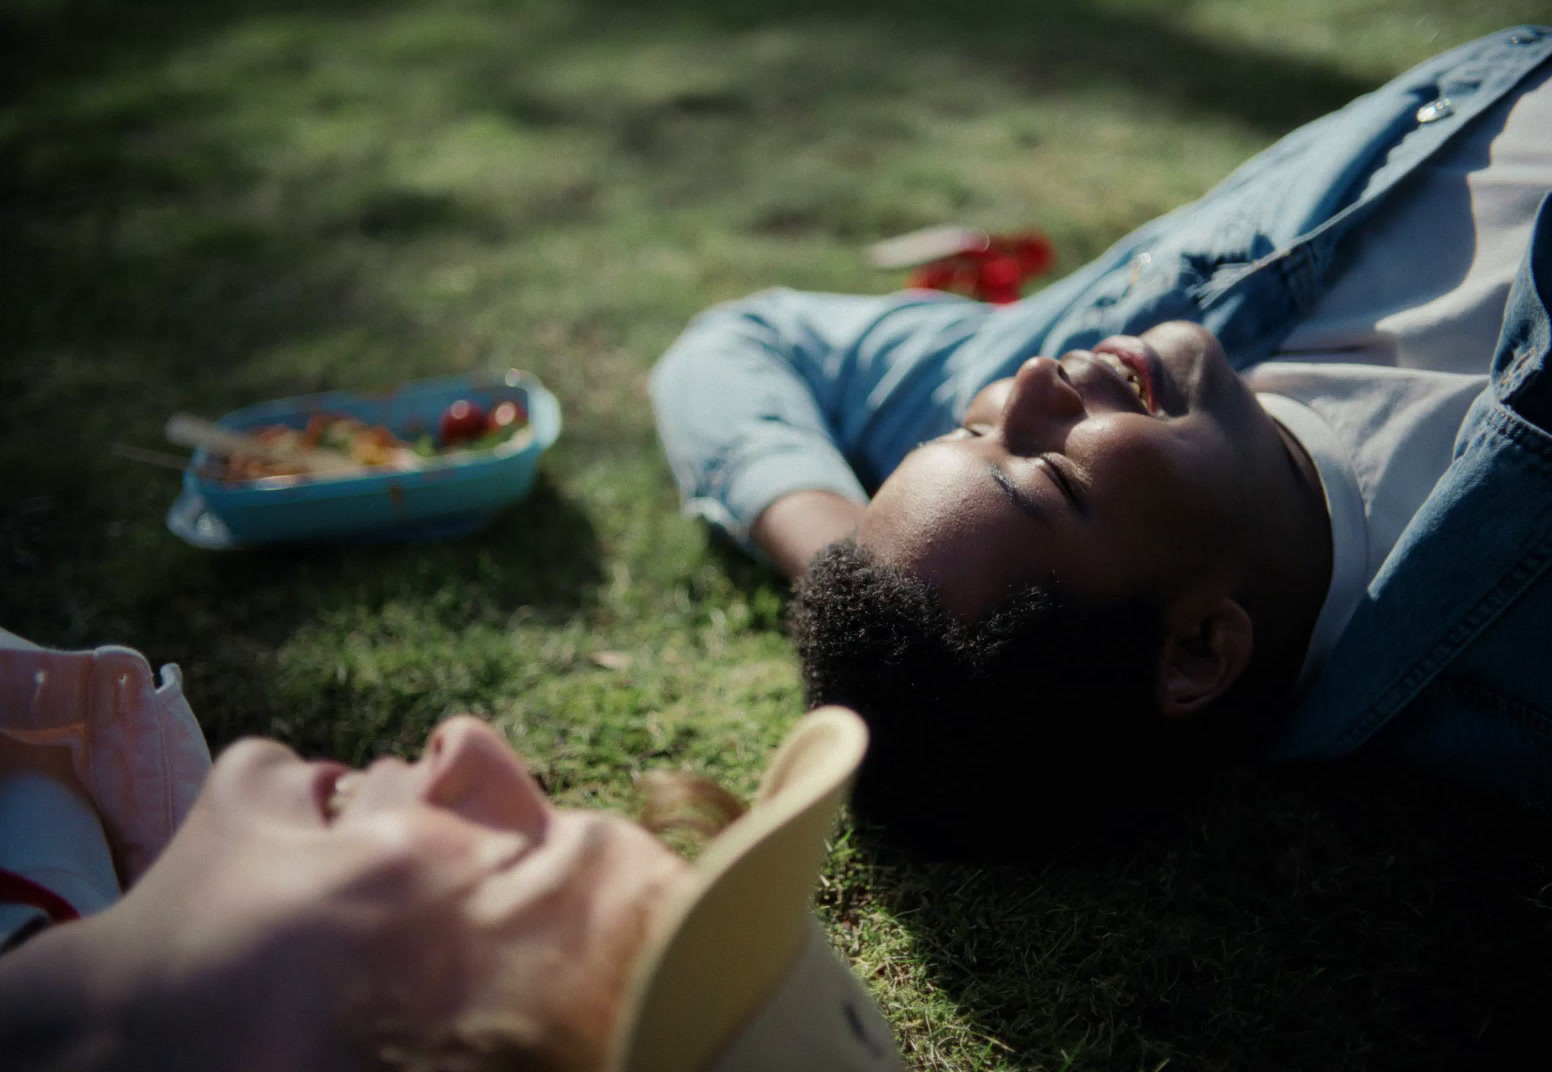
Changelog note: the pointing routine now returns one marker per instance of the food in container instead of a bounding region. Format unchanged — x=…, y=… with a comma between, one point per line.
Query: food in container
x=392, y=471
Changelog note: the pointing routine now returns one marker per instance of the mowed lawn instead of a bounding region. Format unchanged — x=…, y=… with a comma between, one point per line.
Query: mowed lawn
x=204, y=205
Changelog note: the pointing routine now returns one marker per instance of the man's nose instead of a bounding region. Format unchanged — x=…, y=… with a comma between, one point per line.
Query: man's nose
x=471, y=770
x=1041, y=402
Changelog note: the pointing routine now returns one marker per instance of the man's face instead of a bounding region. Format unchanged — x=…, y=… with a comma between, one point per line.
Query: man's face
x=1128, y=470
x=425, y=889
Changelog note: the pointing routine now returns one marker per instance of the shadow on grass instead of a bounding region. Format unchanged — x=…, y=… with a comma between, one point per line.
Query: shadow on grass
x=1345, y=918
x=224, y=615
x=53, y=41
x=541, y=555
x=761, y=585
x=1039, y=44
x=1149, y=49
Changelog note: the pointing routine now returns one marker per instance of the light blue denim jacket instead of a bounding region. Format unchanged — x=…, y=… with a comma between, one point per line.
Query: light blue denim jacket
x=788, y=391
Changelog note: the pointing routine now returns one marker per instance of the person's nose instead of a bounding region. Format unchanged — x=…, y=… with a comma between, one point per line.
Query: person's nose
x=1040, y=405
x=470, y=769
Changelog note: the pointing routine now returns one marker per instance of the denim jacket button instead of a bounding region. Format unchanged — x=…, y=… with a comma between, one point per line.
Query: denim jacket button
x=1435, y=110
x=1524, y=37
x=1138, y=265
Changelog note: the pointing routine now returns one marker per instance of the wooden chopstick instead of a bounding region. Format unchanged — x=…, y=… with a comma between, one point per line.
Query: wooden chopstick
x=150, y=457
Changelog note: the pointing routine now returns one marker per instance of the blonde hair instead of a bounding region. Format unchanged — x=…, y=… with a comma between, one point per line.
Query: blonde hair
x=678, y=802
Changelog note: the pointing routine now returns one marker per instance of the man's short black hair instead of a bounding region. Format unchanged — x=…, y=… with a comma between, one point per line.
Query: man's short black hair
x=1005, y=736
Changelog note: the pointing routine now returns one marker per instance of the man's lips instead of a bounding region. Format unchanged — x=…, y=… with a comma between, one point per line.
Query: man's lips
x=1143, y=360
x=326, y=776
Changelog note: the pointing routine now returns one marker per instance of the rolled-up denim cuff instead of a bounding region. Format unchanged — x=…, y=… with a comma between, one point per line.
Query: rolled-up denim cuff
x=763, y=480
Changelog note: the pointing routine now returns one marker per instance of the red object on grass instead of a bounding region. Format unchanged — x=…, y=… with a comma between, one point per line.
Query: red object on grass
x=996, y=273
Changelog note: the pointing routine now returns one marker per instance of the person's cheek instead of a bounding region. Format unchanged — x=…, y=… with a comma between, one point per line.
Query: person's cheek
x=988, y=403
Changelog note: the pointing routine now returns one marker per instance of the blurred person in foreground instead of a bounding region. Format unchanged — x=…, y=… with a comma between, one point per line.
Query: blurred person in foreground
x=1271, y=479
x=281, y=915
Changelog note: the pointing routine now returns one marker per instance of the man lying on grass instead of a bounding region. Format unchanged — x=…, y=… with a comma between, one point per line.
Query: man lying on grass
x=438, y=915
x=1061, y=586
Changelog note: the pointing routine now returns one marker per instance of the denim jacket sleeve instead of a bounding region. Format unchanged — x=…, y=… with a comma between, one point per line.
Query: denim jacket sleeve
x=1443, y=665
x=788, y=391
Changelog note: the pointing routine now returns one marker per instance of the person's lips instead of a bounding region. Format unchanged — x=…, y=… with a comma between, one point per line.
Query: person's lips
x=327, y=779
x=1142, y=361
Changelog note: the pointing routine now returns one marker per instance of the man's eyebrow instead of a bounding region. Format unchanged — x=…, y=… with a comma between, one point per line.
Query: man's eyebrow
x=1016, y=496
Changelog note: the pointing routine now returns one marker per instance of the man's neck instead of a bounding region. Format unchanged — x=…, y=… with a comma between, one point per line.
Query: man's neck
x=1302, y=578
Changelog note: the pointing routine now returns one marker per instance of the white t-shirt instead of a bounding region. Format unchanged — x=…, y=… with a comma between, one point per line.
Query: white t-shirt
x=1375, y=382
x=1379, y=438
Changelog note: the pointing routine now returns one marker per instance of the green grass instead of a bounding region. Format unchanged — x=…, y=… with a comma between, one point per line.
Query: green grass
x=204, y=205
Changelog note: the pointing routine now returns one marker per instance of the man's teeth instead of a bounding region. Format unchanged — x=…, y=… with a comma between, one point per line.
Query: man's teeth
x=1127, y=374
x=344, y=788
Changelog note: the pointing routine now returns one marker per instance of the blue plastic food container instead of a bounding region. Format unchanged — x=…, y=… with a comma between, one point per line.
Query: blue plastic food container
x=449, y=497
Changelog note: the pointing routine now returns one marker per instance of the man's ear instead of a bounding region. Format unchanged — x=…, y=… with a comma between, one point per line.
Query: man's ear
x=1208, y=647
